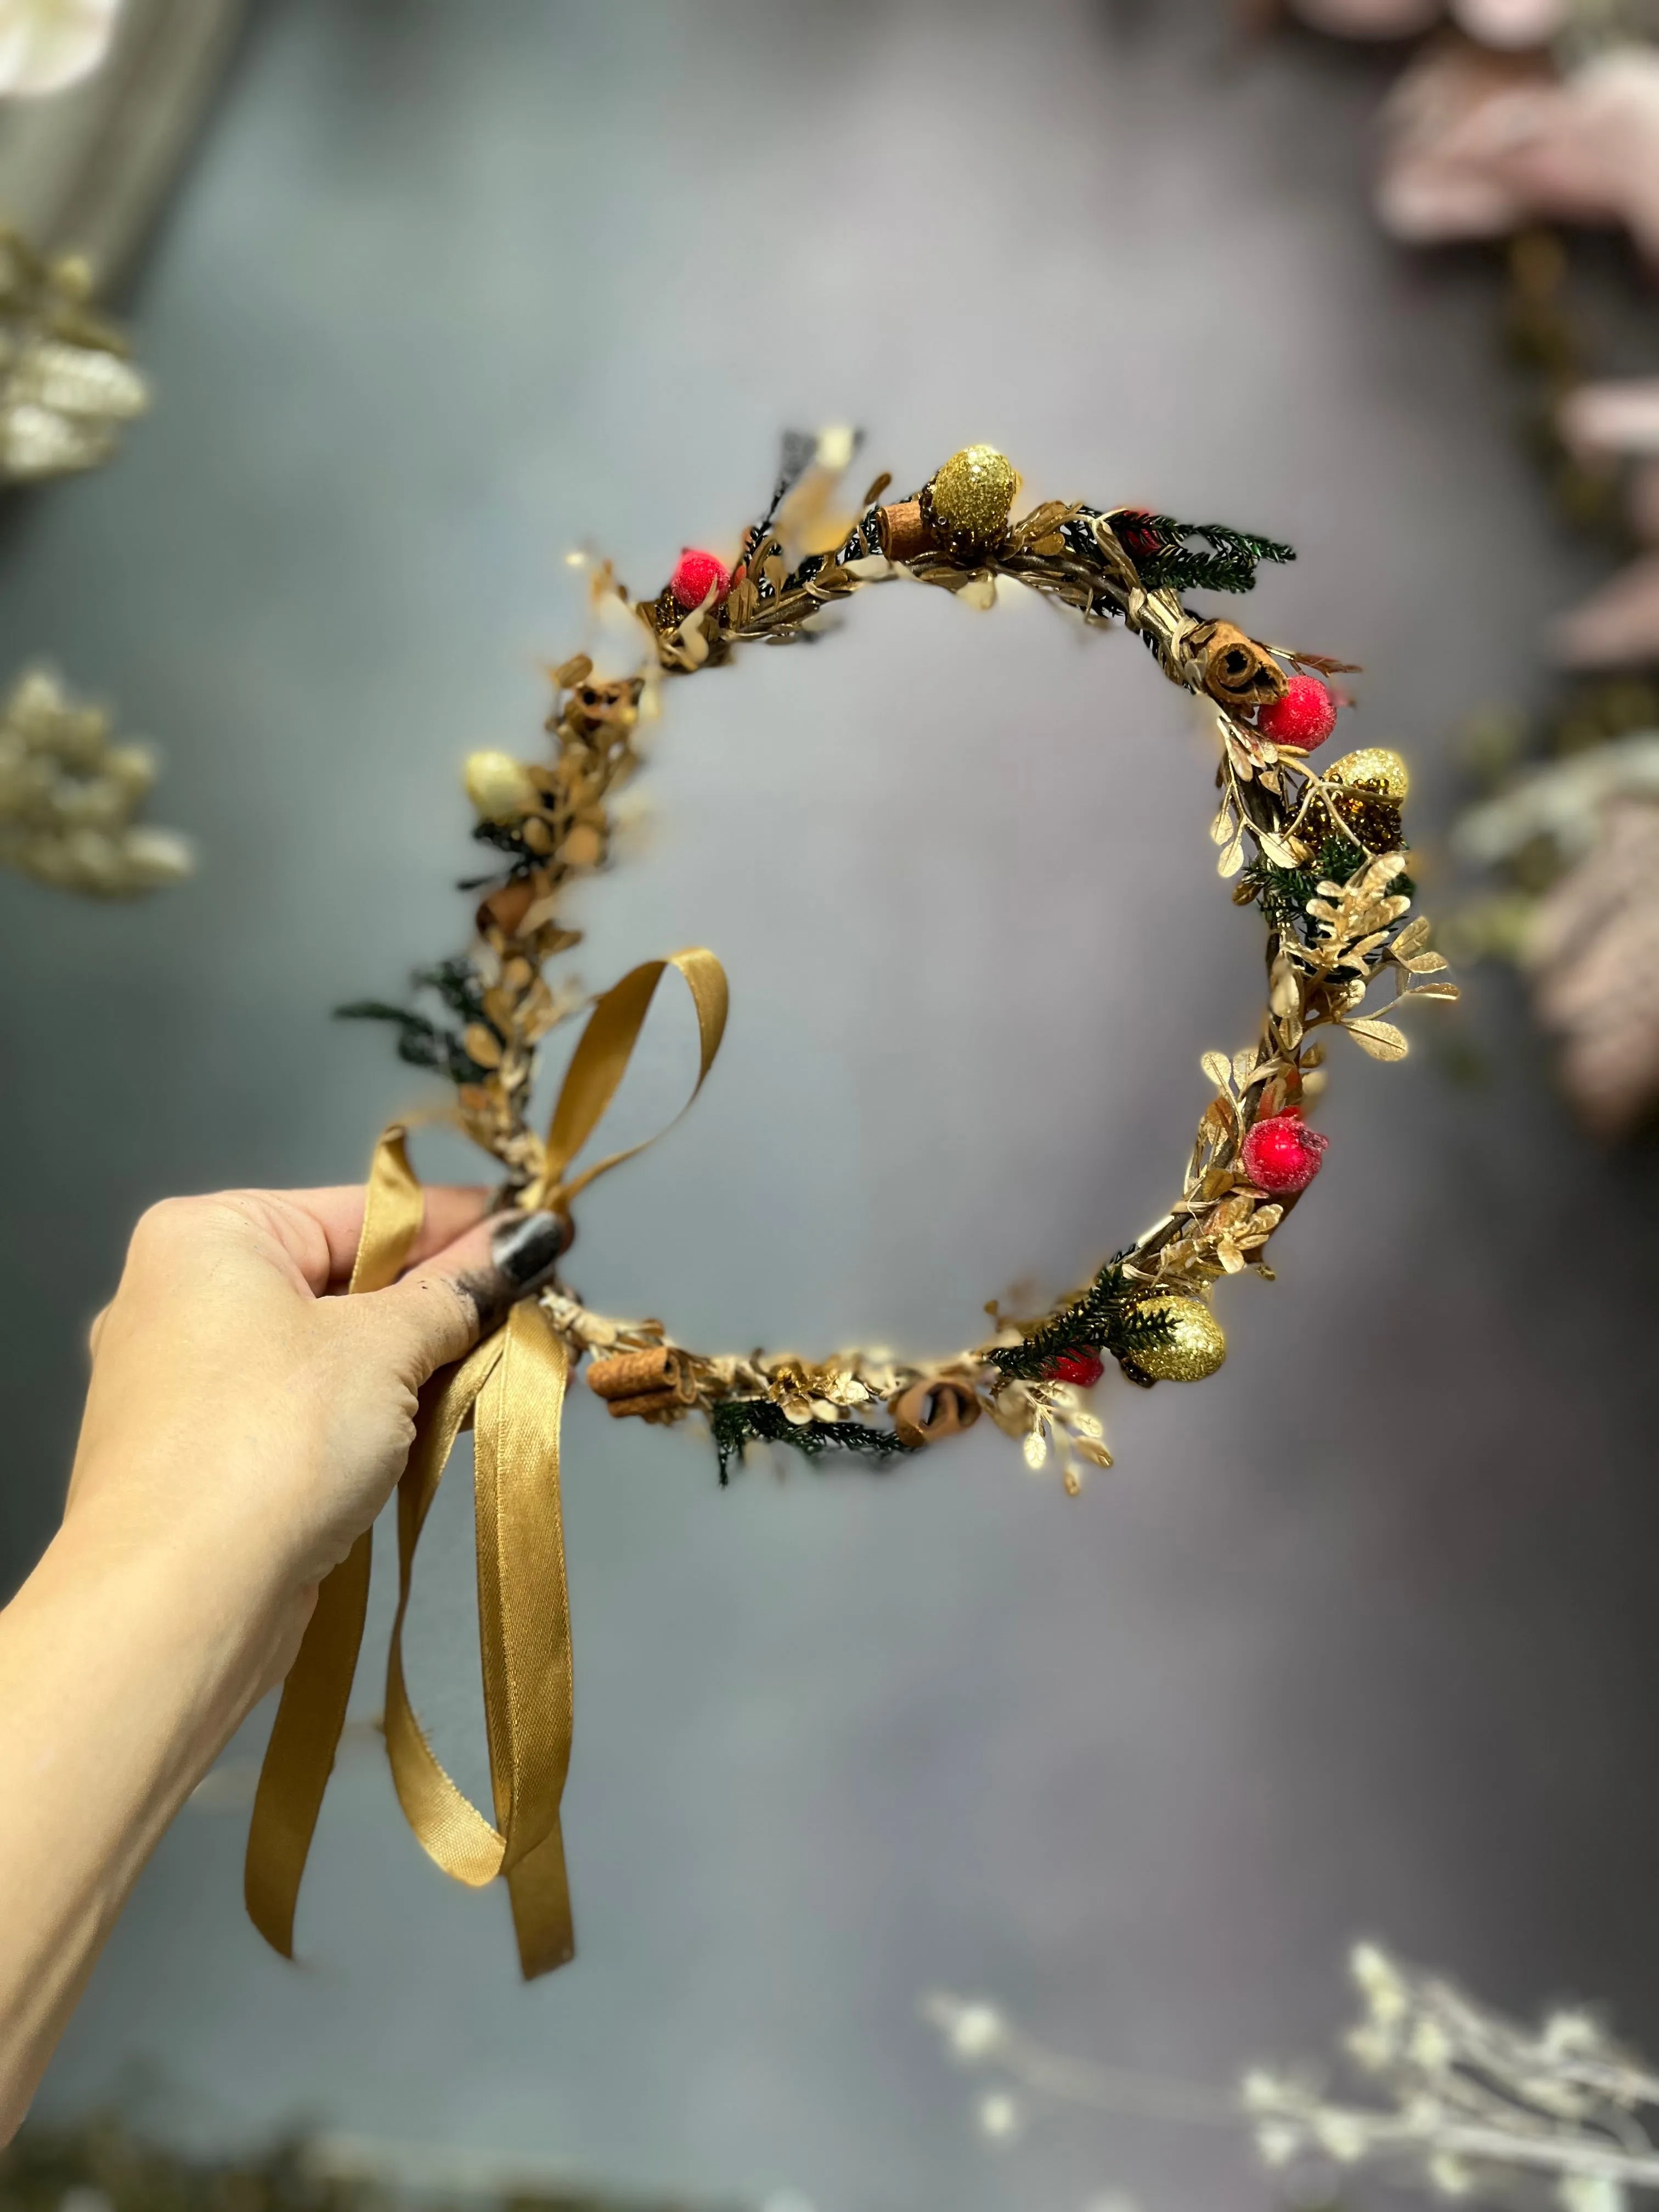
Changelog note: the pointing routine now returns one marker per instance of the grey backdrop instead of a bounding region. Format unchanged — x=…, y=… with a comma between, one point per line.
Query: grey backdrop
x=1359, y=1636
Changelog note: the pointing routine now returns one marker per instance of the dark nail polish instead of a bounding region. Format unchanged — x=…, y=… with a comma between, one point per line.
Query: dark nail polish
x=529, y=1248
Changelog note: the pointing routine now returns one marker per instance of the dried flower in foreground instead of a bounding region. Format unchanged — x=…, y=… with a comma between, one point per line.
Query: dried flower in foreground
x=1467, y=2101
x=68, y=798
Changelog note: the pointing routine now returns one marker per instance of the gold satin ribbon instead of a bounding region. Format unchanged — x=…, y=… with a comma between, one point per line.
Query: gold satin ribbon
x=510, y=1391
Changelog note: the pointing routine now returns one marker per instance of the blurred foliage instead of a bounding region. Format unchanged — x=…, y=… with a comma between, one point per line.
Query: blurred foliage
x=103, y=2166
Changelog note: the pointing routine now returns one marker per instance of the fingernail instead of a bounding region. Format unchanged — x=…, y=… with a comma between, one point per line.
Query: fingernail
x=528, y=1247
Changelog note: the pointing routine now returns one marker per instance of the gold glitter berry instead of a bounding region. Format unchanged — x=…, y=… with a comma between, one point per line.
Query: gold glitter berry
x=1195, y=1348
x=971, y=497
x=1375, y=769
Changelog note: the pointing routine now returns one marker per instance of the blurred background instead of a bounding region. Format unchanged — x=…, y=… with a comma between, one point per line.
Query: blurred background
x=1357, y=1639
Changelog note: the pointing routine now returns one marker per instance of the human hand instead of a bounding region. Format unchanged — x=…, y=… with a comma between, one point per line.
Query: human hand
x=248, y=1424
x=243, y=1428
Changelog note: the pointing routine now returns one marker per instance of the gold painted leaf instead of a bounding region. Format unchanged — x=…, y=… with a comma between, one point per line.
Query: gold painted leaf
x=1091, y=1448
x=1412, y=936
x=1035, y=1449
x=1232, y=860
x=1275, y=849
x=1382, y=1040
x=1422, y=964
x=1222, y=828
x=1448, y=991
x=1218, y=1069
x=482, y=1045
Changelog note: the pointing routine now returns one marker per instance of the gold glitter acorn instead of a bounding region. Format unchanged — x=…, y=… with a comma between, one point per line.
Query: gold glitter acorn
x=498, y=786
x=1194, y=1348
x=1374, y=769
x=969, y=500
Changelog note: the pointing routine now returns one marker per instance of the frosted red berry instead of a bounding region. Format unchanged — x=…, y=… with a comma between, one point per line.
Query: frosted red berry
x=1302, y=719
x=693, y=575
x=1085, y=1369
x=1282, y=1155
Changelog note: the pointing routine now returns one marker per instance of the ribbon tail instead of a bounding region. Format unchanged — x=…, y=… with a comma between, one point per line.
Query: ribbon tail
x=524, y=1623
x=306, y=1735
x=300, y=1756
x=539, y=1891
x=511, y=1389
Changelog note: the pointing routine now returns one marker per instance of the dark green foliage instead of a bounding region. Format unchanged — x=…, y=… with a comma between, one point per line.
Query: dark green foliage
x=737, y=1422
x=48, y=2165
x=1227, y=561
x=1282, y=893
x=422, y=1042
x=456, y=982
x=1138, y=1331
x=1105, y=1319
x=1102, y=1320
x=506, y=838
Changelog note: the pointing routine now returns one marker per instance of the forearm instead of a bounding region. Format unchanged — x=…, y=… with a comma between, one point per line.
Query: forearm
x=123, y=1672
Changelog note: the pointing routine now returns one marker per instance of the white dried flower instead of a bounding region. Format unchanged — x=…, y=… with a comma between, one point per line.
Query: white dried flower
x=1276, y=2143
x=1000, y=2117
x=1450, y=2175
x=1590, y=2192
x=1569, y=2035
x=1372, y=2046
x=976, y=2031
x=48, y=45
x=1262, y=2092
x=1380, y=1981
x=1340, y=2135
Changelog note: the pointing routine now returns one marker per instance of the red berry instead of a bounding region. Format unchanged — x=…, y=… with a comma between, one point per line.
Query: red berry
x=1302, y=719
x=1282, y=1155
x=1083, y=1367
x=1135, y=534
x=693, y=575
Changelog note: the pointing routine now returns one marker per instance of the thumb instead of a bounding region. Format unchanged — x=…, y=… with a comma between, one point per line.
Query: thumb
x=437, y=1314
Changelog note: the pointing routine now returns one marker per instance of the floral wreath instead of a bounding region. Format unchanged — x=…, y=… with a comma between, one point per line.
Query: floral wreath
x=1321, y=854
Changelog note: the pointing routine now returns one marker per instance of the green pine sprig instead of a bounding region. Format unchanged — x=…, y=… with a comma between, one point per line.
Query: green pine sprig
x=422, y=1042
x=738, y=1422
x=1226, y=560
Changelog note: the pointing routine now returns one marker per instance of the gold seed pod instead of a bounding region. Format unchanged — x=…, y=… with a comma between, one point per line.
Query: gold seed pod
x=1374, y=769
x=930, y=1410
x=1194, y=1348
x=969, y=502
x=500, y=786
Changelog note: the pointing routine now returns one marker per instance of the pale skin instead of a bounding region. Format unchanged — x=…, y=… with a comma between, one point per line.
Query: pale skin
x=243, y=1426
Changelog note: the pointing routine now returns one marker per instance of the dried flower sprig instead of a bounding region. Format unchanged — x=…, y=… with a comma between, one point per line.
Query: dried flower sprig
x=68, y=798
x=66, y=385
x=1322, y=854
x=1468, y=2101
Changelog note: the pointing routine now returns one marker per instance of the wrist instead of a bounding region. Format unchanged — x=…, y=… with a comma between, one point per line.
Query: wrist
x=181, y=1604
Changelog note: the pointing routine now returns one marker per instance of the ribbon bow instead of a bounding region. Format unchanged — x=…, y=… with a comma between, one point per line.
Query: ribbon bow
x=510, y=1389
